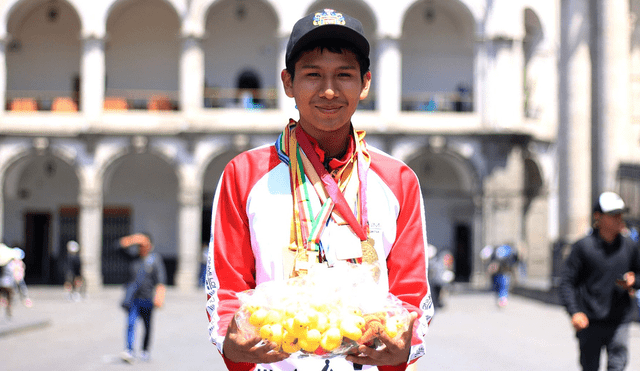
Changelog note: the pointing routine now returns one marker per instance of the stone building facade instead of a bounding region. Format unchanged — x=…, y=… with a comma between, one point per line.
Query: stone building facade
x=121, y=114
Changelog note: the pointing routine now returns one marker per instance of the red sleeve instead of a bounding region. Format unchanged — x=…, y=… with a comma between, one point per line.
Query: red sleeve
x=408, y=282
x=231, y=263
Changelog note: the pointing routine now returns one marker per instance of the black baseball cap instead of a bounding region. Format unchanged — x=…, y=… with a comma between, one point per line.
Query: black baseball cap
x=326, y=24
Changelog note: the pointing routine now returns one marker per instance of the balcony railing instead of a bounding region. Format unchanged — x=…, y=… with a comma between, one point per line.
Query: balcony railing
x=163, y=100
x=437, y=102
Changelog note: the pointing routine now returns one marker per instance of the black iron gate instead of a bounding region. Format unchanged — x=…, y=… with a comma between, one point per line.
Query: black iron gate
x=116, y=223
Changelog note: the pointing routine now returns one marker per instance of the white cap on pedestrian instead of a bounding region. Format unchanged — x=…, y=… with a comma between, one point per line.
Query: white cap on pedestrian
x=610, y=203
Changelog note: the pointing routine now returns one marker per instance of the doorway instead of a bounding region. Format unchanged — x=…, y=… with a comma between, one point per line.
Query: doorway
x=463, y=252
x=36, y=248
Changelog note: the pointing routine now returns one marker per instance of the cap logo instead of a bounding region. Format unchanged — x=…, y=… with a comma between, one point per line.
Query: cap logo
x=328, y=16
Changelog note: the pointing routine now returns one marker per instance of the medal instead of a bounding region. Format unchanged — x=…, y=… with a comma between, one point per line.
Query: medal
x=369, y=254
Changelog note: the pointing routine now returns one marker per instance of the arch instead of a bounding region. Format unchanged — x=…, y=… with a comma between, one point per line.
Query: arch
x=450, y=189
x=40, y=208
x=438, y=48
x=179, y=7
x=531, y=44
x=533, y=33
x=255, y=48
x=43, y=36
x=210, y=175
x=112, y=159
x=18, y=8
x=140, y=194
x=142, y=55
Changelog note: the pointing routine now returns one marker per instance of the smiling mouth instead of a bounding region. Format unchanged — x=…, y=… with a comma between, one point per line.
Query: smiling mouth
x=329, y=109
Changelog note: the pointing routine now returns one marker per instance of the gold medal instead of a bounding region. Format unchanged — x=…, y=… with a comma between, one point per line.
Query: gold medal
x=369, y=254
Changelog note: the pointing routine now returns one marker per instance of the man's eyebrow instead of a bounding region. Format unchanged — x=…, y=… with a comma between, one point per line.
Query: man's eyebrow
x=314, y=66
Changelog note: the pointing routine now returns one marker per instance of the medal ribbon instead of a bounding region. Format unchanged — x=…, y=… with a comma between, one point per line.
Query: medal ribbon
x=306, y=230
x=341, y=204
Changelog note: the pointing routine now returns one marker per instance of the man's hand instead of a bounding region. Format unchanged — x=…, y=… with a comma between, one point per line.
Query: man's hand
x=627, y=281
x=158, y=298
x=579, y=321
x=238, y=348
x=393, y=352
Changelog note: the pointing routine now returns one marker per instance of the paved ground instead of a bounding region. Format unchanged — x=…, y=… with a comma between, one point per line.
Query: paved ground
x=470, y=333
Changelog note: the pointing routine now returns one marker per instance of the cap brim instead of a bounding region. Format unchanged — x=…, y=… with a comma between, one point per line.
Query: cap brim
x=331, y=32
x=617, y=211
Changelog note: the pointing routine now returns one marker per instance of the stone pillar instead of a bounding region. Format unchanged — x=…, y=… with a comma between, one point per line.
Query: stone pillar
x=574, y=165
x=611, y=90
x=90, y=237
x=3, y=75
x=478, y=277
x=189, y=231
x=92, y=77
x=284, y=103
x=501, y=61
x=191, y=75
x=388, y=91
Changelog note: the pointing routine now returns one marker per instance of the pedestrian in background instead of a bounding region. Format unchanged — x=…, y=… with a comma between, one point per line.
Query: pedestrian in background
x=596, y=281
x=73, y=281
x=145, y=289
x=501, y=262
x=12, y=270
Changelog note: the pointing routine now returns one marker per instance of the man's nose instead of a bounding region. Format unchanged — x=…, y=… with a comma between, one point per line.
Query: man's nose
x=328, y=89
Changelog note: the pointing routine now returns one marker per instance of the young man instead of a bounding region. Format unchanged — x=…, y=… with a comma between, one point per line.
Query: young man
x=318, y=195
x=145, y=290
x=595, y=286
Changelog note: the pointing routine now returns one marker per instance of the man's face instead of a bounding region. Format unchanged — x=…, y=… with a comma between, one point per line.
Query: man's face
x=611, y=223
x=327, y=88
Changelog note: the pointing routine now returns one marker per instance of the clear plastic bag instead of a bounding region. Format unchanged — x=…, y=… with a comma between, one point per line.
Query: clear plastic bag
x=325, y=313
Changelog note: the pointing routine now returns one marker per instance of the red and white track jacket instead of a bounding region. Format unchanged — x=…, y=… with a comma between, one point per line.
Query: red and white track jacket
x=250, y=231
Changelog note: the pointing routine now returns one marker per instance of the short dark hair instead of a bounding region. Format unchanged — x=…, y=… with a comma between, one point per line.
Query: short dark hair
x=338, y=46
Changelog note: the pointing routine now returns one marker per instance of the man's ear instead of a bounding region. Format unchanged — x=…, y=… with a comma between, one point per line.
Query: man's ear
x=366, y=85
x=287, y=83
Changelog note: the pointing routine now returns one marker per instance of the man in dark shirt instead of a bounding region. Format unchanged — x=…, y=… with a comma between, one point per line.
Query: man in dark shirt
x=145, y=289
x=597, y=282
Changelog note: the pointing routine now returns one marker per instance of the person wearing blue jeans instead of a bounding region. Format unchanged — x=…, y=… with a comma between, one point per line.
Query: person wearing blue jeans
x=144, y=290
x=501, y=282
x=139, y=308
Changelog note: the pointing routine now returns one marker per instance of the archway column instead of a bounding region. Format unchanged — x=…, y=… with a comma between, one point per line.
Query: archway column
x=92, y=77
x=189, y=224
x=90, y=236
x=284, y=103
x=3, y=75
x=478, y=278
x=191, y=75
x=388, y=96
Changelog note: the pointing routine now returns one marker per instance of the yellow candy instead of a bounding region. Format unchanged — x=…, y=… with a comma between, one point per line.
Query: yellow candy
x=313, y=336
x=265, y=332
x=290, y=343
x=351, y=327
x=392, y=327
x=331, y=339
x=258, y=317
x=350, y=331
x=309, y=346
x=273, y=316
x=313, y=315
x=288, y=324
x=300, y=323
x=277, y=333
x=323, y=322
